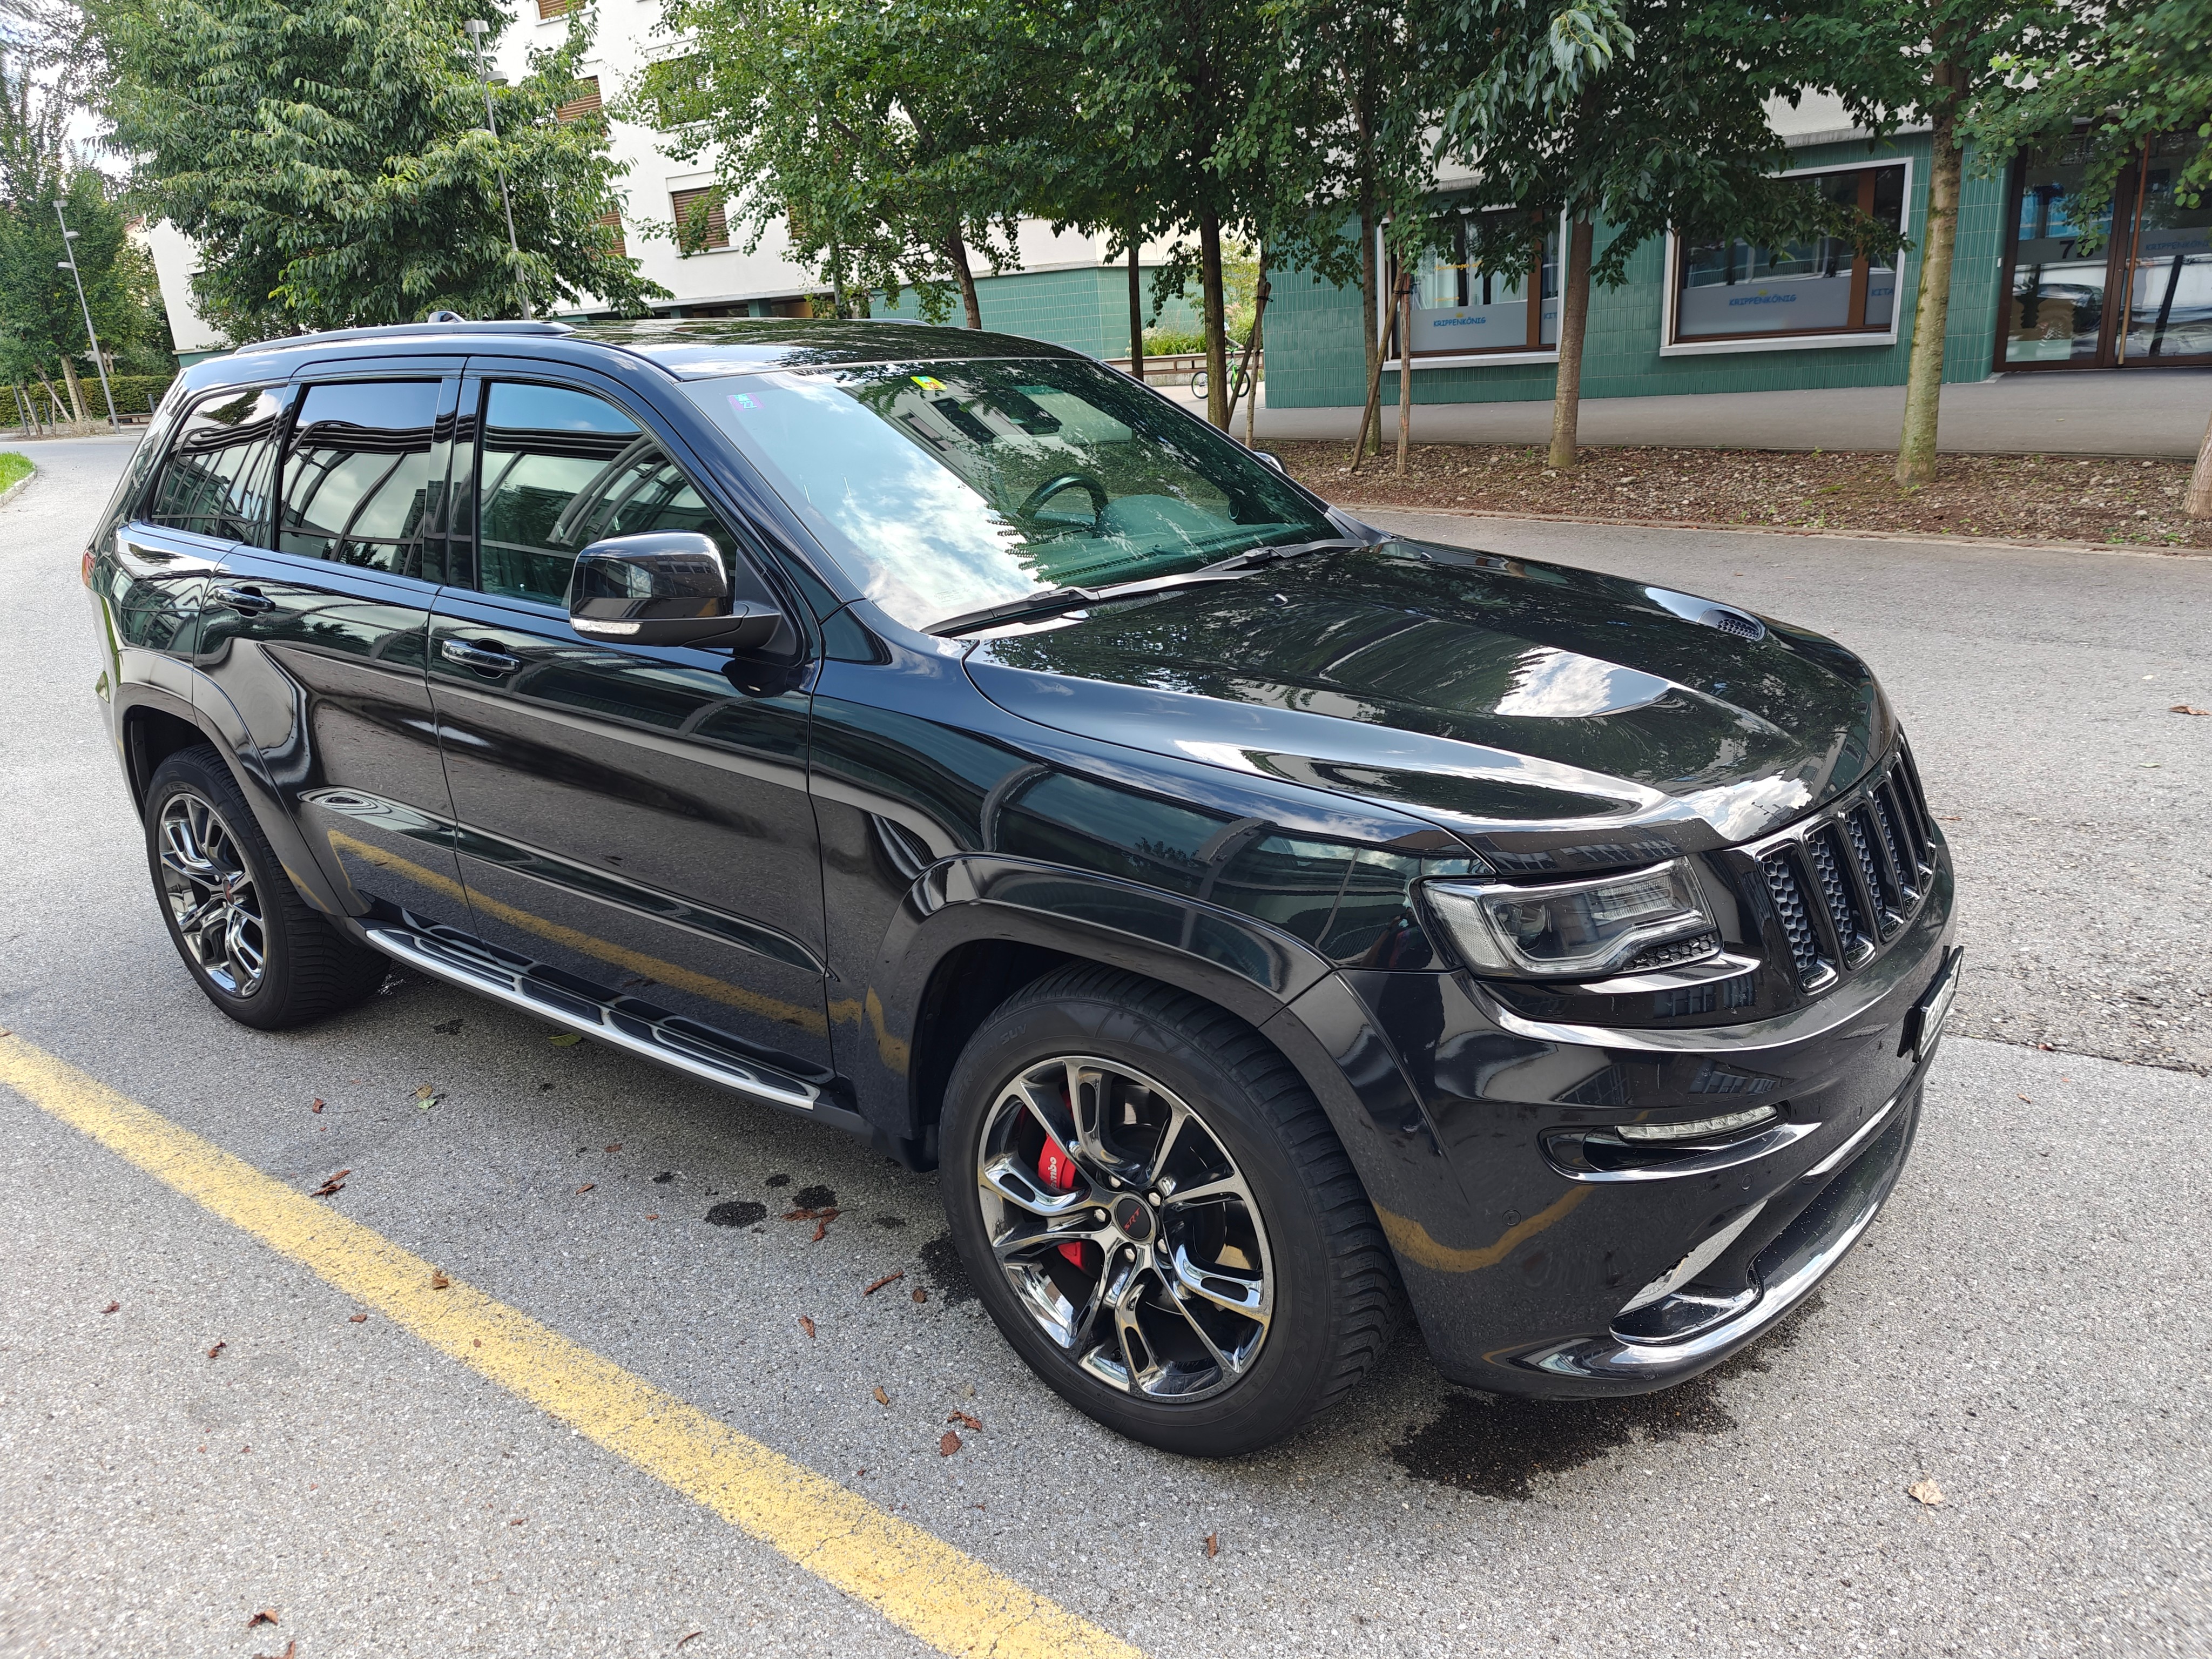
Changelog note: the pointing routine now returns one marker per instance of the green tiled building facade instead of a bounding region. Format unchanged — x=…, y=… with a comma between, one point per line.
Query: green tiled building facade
x=1086, y=308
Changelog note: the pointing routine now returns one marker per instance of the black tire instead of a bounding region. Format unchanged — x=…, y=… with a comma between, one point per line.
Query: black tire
x=1336, y=1298
x=306, y=969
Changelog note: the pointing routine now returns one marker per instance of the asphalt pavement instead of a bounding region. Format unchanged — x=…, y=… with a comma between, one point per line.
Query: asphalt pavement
x=2026, y=1326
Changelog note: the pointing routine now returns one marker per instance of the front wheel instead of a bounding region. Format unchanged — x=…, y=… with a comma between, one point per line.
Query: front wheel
x=1159, y=1217
x=260, y=951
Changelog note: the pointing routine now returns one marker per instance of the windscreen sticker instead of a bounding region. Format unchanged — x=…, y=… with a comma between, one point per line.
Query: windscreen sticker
x=738, y=400
x=927, y=382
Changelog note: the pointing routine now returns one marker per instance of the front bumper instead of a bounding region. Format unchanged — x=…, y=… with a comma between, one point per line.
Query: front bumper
x=1553, y=1276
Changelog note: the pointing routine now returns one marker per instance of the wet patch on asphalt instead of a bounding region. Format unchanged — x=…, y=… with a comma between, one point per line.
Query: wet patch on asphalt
x=814, y=1197
x=1501, y=1445
x=737, y=1212
x=948, y=1274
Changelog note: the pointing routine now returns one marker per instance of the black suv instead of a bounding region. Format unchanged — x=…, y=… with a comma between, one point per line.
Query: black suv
x=1265, y=923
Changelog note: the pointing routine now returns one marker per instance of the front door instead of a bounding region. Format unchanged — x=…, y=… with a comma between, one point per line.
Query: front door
x=627, y=818
x=316, y=636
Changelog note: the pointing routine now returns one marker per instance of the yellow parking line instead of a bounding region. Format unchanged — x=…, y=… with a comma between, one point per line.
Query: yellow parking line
x=921, y=1583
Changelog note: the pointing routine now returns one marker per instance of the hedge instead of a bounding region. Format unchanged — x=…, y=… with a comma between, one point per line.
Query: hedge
x=135, y=394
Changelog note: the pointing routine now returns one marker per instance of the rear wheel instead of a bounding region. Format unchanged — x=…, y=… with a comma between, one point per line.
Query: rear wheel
x=257, y=950
x=1159, y=1217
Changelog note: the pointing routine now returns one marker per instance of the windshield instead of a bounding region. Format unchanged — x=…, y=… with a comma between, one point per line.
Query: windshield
x=945, y=487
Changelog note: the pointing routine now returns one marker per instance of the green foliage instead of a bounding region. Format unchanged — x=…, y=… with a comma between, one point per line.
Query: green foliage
x=41, y=321
x=2135, y=70
x=886, y=136
x=1644, y=117
x=14, y=469
x=329, y=159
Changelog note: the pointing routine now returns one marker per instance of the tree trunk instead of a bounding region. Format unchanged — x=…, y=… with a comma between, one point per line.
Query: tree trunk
x=1251, y=351
x=1405, y=366
x=1924, y=372
x=1574, y=320
x=76, y=391
x=1258, y=359
x=2200, y=481
x=956, y=250
x=1136, y=309
x=1217, y=321
x=53, y=397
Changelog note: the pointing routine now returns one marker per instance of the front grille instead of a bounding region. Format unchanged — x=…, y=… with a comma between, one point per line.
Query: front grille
x=1853, y=876
x=1680, y=950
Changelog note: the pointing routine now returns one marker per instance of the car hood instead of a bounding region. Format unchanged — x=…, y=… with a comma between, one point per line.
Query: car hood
x=1551, y=718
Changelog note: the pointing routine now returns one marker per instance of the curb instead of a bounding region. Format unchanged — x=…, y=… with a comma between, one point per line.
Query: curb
x=1988, y=542
x=20, y=485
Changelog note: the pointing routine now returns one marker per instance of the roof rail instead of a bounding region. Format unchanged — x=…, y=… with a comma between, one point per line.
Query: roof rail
x=442, y=322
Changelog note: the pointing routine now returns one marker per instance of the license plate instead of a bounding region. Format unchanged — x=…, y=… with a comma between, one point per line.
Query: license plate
x=1931, y=1009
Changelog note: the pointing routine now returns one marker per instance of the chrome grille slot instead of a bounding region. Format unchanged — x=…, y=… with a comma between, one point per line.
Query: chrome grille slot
x=1782, y=886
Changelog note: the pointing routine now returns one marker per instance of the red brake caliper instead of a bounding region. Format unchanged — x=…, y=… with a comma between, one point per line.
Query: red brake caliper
x=1056, y=1171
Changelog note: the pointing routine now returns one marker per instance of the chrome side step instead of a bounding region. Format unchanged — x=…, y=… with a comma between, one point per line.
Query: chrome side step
x=626, y=1023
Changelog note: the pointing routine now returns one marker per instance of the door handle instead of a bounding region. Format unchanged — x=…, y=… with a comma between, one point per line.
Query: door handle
x=487, y=659
x=246, y=601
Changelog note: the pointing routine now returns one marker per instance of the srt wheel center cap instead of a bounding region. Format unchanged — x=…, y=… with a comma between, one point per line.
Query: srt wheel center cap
x=1134, y=1218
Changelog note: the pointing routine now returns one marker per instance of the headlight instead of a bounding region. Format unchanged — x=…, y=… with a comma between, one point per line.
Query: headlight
x=1578, y=929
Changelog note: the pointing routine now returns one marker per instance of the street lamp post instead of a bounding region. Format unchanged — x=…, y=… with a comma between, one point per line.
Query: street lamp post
x=69, y=237
x=475, y=27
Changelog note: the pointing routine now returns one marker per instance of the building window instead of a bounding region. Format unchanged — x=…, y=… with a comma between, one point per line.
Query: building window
x=554, y=8
x=2151, y=249
x=700, y=225
x=586, y=102
x=1735, y=290
x=611, y=218
x=1463, y=308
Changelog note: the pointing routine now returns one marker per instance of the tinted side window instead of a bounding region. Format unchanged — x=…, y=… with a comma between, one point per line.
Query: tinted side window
x=562, y=469
x=359, y=483
x=215, y=480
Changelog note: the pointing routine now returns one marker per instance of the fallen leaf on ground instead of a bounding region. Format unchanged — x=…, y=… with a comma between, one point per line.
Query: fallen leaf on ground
x=1213, y=1544
x=2184, y=709
x=966, y=1421
x=332, y=1186
x=315, y=1105
x=217, y=1349
x=614, y=1145
x=821, y=1232
x=921, y=1295
x=426, y=1098
x=656, y=1216
x=516, y=1522
x=438, y=1280
x=888, y=1278
x=681, y=1640
x=448, y=1028
x=806, y=1324
x=287, y=1653
x=356, y=1319
x=113, y=1307
x=566, y=1039
x=949, y=1444
x=587, y=1187
x=267, y=1616
x=799, y=1215
x=1926, y=1492
x=882, y=1399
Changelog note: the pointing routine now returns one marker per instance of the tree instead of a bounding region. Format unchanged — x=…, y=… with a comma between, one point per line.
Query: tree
x=40, y=316
x=2134, y=72
x=879, y=132
x=1645, y=117
x=1341, y=128
x=329, y=159
x=1170, y=84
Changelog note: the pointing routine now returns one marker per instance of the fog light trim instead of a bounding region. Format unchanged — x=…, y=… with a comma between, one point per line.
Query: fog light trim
x=1703, y=1128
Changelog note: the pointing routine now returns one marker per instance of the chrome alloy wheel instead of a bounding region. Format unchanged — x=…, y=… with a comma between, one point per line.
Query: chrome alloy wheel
x=211, y=895
x=1126, y=1228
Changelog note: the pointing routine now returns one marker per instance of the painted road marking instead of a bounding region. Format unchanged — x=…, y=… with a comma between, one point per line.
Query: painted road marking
x=921, y=1583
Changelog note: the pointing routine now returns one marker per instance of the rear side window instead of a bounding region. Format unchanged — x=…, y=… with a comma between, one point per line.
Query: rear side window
x=562, y=469
x=215, y=481
x=363, y=476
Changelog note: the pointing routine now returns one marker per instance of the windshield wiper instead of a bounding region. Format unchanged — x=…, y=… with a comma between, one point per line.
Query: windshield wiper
x=1069, y=599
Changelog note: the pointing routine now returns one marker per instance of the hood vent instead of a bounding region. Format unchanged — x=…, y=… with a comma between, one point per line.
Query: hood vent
x=1734, y=621
x=1726, y=618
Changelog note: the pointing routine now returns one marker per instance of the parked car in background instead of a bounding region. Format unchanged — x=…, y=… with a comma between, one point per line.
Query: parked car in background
x=1268, y=927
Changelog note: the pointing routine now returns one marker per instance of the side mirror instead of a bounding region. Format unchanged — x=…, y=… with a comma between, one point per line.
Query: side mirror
x=664, y=587
x=1268, y=458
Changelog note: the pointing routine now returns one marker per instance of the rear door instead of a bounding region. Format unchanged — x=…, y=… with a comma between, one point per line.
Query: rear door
x=316, y=632
x=629, y=817
x=154, y=571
